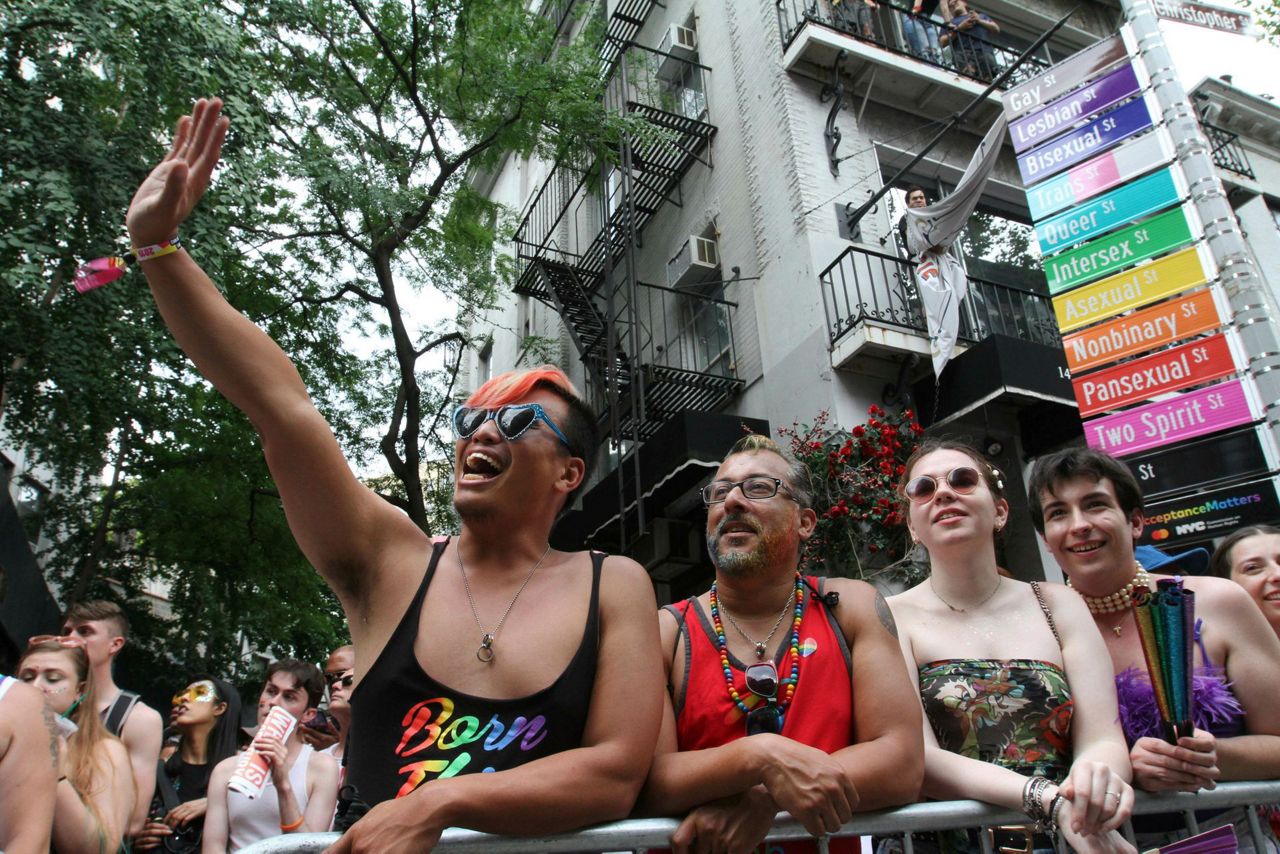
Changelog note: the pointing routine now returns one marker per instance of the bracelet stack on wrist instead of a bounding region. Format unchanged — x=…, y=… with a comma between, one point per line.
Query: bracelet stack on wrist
x=1033, y=803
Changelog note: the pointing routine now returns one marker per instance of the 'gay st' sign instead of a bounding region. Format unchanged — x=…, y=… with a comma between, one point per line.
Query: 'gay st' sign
x=1166, y=323
x=1166, y=371
x=1190, y=414
x=1133, y=288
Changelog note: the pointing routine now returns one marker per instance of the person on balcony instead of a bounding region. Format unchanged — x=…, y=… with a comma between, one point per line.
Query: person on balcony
x=858, y=15
x=968, y=35
x=1088, y=507
x=543, y=664
x=1013, y=677
x=785, y=691
x=921, y=31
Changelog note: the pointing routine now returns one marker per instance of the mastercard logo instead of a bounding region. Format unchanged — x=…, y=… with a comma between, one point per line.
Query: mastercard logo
x=1160, y=534
x=809, y=647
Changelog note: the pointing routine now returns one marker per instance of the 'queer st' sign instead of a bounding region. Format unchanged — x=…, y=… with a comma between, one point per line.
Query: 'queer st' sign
x=1133, y=288
x=1119, y=249
x=1136, y=199
x=1166, y=323
x=1109, y=169
x=1190, y=414
x=1160, y=373
x=1105, y=92
x=1082, y=143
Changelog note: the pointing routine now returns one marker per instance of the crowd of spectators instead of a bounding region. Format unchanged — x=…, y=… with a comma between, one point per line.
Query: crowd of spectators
x=496, y=684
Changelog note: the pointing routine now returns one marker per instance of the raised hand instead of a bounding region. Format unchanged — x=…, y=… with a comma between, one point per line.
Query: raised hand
x=174, y=187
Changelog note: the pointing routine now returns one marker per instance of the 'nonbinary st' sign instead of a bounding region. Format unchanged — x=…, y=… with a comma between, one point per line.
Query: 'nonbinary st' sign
x=1166, y=323
x=1190, y=414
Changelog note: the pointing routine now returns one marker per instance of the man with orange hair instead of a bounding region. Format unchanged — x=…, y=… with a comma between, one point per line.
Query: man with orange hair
x=488, y=651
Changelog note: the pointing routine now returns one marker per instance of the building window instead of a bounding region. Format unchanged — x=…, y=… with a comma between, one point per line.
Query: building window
x=30, y=499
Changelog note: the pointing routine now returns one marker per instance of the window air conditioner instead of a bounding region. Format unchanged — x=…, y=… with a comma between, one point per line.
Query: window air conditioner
x=695, y=261
x=680, y=41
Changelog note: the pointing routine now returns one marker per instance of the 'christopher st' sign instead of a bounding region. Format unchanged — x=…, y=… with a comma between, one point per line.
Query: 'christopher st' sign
x=1185, y=416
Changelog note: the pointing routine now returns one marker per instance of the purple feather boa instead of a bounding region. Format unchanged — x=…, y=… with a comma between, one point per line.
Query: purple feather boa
x=1216, y=709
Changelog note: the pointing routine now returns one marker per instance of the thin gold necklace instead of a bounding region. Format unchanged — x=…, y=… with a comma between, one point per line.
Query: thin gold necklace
x=987, y=598
x=484, y=652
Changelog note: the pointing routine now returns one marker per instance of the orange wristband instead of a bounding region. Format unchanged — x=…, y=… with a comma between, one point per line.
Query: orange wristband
x=290, y=828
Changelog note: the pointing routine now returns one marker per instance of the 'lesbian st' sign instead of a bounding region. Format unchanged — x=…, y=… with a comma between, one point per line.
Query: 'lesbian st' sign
x=1193, y=413
x=1105, y=92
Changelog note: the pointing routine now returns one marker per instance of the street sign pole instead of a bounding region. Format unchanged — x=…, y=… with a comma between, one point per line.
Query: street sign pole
x=1251, y=300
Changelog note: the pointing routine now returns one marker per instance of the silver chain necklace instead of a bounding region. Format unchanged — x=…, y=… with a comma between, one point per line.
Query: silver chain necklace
x=484, y=652
x=761, y=646
x=985, y=599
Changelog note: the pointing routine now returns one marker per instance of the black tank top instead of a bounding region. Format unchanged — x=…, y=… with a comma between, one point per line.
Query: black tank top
x=407, y=728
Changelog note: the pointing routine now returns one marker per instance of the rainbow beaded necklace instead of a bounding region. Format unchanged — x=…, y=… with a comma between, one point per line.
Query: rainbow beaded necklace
x=723, y=645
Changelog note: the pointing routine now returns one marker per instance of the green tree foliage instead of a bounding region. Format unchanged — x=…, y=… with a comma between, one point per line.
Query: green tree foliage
x=1266, y=17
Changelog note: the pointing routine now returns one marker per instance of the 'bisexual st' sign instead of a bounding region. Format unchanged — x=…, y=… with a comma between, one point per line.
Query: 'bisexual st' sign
x=1166, y=323
x=1065, y=76
x=1180, y=271
x=1160, y=373
x=1082, y=143
x=1120, y=249
x=1190, y=414
x=1136, y=199
x=1105, y=92
x=1107, y=170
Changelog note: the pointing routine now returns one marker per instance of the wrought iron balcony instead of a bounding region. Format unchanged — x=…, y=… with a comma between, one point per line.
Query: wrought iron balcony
x=1228, y=153
x=895, y=29
x=863, y=286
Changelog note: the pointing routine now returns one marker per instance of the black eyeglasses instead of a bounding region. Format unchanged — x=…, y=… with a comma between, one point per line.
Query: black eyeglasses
x=343, y=677
x=762, y=680
x=962, y=480
x=512, y=420
x=756, y=487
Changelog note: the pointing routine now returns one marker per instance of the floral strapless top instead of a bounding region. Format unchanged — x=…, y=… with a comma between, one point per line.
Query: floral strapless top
x=1014, y=713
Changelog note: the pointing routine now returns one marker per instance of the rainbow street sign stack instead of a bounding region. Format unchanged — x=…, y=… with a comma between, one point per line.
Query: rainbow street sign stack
x=1158, y=370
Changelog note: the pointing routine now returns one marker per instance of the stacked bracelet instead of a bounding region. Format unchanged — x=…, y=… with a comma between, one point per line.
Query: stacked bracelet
x=1033, y=801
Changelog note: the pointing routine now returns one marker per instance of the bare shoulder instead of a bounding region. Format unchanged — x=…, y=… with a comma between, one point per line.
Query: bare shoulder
x=1218, y=595
x=1063, y=600
x=143, y=729
x=866, y=607
x=322, y=766
x=624, y=583
x=222, y=771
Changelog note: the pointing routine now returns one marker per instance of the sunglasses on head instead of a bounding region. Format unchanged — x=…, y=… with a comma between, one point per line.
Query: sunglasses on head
x=762, y=680
x=512, y=420
x=962, y=480
x=339, y=677
x=200, y=692
x=65, y=640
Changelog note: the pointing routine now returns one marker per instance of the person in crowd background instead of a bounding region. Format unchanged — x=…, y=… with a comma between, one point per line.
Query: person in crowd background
x=578, y=648
x=920, y=30
x=28, y=768
x=207, y=718
x=95, y=789
x=1088, y=507
x=969, y=35
x=339, y=675
x=1251, y=558
x=302, y=790
x=104, y=629
x=1014, y=679
x=805, y=705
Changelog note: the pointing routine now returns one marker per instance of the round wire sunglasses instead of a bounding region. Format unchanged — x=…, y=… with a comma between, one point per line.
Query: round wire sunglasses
x=513, y=420
x=963, y=480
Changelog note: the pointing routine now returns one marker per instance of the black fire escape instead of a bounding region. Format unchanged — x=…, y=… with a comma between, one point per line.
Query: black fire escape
x=578, y=243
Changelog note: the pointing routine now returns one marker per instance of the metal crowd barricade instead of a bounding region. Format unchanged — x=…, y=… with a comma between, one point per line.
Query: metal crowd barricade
x=639, y=835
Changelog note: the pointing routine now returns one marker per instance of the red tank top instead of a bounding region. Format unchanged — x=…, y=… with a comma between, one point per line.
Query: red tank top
x=821, y=711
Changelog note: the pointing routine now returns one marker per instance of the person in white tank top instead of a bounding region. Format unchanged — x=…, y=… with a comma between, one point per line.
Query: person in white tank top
x=303, y=789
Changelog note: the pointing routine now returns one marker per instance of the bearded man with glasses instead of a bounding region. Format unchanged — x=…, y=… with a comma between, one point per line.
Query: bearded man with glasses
x=786, y=691
x=485, y=652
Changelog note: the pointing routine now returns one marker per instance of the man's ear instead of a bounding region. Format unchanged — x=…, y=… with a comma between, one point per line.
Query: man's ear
x=808, y=522
x=572, y=474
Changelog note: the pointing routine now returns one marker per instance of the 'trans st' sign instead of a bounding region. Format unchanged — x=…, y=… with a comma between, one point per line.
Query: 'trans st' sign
x=1107, y=170
x=1190, y=414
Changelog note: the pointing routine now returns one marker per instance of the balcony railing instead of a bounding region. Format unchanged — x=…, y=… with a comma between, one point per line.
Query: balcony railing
x=862, y=285
x=1228, y=153
x=895, y=29
x=643, y=834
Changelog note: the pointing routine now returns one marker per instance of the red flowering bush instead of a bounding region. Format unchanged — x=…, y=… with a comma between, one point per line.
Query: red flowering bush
x=855, y=477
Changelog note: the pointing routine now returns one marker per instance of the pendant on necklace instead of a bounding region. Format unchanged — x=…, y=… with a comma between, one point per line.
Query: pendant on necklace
x=1117, y=629
x=760, y=651
x=485, y=651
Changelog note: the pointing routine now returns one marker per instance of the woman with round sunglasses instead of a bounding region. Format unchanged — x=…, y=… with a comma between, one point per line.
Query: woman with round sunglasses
x=207, y=720
x=95, y=792
x=1019, y=705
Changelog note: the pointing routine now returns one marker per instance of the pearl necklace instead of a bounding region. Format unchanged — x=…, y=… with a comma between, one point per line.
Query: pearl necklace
x=1120, y=600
